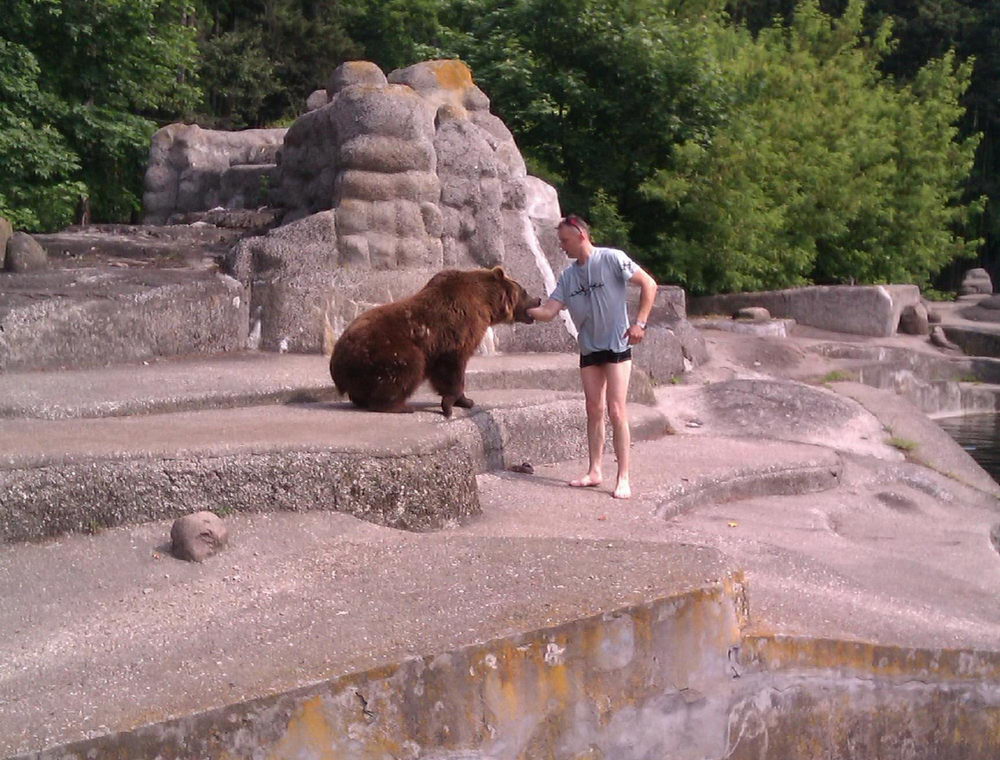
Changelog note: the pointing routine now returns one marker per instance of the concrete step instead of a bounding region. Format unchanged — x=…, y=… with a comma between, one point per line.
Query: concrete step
x=130, y=653
x=247, y=378
x=189, y=383
x=98, y=316
x=412, y=471
x=316, y=633
x=975, y=338
x=169, y=246
x=88, y=449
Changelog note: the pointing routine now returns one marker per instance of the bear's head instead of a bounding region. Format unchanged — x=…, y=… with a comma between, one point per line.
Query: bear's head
x=515, y=300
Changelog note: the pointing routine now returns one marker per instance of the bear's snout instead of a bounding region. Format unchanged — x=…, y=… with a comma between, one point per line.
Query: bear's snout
x=521, y=312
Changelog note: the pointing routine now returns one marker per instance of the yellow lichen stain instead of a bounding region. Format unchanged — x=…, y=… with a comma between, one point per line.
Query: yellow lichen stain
x=784, y=652
x=309, y=735
x=977, y=730
x=357, y=66
x=643, y=628
x=559, y=683
x=503, y=700
x=452, y=75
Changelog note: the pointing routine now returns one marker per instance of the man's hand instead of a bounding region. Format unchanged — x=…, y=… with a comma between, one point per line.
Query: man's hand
x=635, y=334
x=546, y=312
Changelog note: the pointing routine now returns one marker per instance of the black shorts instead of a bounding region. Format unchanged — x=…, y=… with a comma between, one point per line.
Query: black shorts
x=605, y=357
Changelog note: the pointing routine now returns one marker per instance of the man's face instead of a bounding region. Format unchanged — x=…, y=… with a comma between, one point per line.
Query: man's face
x=571, y=240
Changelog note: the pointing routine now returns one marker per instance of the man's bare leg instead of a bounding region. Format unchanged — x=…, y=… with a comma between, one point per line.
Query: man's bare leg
x=594, y=381
x=617, y=392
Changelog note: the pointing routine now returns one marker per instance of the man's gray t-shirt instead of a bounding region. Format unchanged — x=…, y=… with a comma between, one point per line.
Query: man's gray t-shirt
x=594, y=294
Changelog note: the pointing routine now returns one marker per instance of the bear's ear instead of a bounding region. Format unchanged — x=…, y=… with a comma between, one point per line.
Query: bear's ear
x=499, y=273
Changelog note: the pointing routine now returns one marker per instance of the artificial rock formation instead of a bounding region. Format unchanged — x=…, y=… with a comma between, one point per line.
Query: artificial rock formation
x=392, y=180
x=383, y=182
x=194, y=169
x=6, y=231
x=975, y=282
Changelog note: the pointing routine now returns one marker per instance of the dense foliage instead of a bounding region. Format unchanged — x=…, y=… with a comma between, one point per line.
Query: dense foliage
x=924, y=30
x=824, y=171
x=727, y=144
x=260, y=59
x=81, y=83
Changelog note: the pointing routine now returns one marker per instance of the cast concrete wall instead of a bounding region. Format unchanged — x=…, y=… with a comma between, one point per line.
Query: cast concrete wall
x=118, y=315
x=668, y=678
x=858, y=309
x=625, y=684
x=195, y=169
x=839, y=700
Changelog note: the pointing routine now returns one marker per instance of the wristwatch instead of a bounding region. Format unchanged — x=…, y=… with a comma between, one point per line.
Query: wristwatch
x=641, y=324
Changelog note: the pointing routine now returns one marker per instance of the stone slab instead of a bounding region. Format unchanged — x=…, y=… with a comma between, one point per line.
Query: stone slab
x=933, y=447
x=249, y=378
x=982, y=339
x=860, y=309
x=100, y=316
x=411, y=471
x=293, y=602
x=175, y=384
x=775, y=328
x=340, y=608
x=892, y=552
x=124, y=245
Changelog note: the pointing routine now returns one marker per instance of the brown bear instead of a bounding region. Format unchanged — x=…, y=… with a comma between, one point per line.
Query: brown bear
x=385, y=353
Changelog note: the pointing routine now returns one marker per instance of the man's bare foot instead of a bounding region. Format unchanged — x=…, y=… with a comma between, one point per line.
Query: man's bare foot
x=622, y=490
x=587, y=481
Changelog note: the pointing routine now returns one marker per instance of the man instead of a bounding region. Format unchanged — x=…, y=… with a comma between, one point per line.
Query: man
x=593, y=288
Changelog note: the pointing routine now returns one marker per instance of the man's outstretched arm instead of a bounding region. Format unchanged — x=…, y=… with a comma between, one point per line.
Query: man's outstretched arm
x=549, y=310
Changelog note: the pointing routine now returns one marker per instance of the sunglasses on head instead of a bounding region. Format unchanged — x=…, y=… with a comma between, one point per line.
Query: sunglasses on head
x=575, y=222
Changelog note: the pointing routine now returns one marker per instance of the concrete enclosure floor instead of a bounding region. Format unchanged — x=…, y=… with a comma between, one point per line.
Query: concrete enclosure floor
x=839, y=534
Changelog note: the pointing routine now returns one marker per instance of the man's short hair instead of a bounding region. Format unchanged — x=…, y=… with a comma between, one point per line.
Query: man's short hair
x=574, y=221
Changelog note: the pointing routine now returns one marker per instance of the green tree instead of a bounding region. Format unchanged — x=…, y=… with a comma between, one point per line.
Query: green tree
x=396, y=33
x=93, y=75
x=261, y=59
x=597, y=92
x=823, y=171
x=38, y=189
x=924, y=30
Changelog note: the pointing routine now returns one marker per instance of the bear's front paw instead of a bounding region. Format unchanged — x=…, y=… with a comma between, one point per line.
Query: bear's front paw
x=465, y=402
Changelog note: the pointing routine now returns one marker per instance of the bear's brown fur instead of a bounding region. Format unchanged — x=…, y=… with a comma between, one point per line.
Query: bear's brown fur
x=385, y=353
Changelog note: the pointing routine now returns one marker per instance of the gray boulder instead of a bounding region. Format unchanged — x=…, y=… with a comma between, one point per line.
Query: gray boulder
x=975, y=281
x=301, y=289
x=939, y=339
x=692, y=343
x=768, y=408
x=411, y=174
x=541, y=203
x=753, y=313
x=24, y=254
x=859, y=309
x=671, y=348
x=915, y=320
x=317, y=99
x=660, y=355
x=933, y=314
x=354, y=72
x=197, y=536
